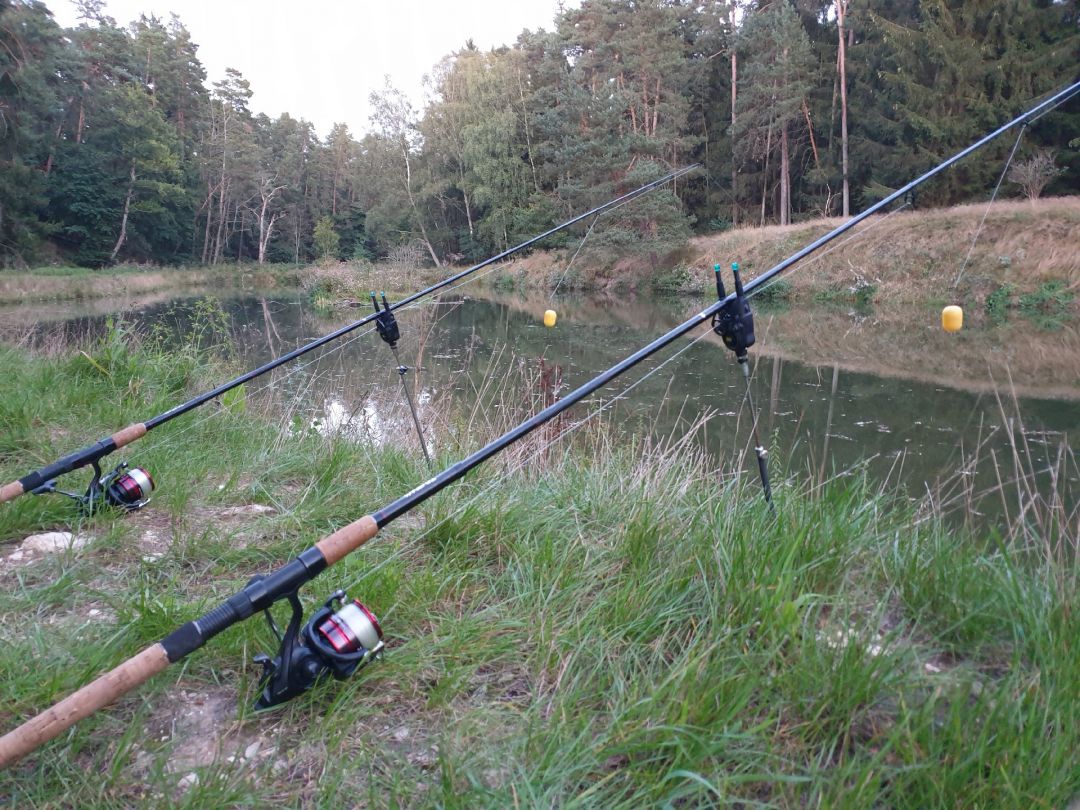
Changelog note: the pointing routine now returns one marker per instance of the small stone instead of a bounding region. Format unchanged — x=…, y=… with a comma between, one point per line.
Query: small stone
x=252, y=750
x=423, y=759
x=188, y=782
x=53, y=542
x=932, y=669
x=279, y=766
x=93, y=612
x=249, y=509
x=401, y=734
x=15, y=555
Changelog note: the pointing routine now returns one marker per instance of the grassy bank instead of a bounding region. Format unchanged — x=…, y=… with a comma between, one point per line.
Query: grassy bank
x=80, y=283
x=1024, y=258
x=613, y=625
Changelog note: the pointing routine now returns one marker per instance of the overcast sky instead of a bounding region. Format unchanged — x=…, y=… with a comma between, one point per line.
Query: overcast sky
x=319, y=59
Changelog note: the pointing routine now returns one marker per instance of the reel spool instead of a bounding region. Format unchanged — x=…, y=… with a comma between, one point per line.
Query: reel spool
x=129, y=490
x=340, y=638
x=125, y=488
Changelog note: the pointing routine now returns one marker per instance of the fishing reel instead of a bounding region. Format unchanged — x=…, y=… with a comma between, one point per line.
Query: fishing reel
x=340, y=638
x=385, y=322
x=125, y=488
x=734, y=322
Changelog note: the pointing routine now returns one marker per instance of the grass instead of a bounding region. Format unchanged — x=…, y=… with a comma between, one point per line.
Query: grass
x=911, y=257
x=63, y=283
x=621, y=625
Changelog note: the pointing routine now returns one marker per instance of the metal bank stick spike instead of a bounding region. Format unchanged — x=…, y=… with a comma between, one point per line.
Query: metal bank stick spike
x=387, y=325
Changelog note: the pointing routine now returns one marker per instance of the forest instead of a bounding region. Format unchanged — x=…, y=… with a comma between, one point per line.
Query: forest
x=114, y=149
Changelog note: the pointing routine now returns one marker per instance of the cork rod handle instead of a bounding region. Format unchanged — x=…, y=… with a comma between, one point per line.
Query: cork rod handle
x=40, y=729
x=10, y=492
x=347, y=539
x=129, y=434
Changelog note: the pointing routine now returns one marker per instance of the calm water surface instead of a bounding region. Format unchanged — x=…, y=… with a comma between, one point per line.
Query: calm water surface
x=483, y=351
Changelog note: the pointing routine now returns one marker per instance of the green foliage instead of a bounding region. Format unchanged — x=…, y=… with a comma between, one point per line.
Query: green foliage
x=776, y=292
x=677, y=279
x=1052, y=298
x=997, y=302
x=113, y=147
x=326, y=238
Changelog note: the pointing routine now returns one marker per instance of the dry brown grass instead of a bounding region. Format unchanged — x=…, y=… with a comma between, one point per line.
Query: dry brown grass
x=81, y=284
x=915, y=255
x=20, y=287
x=908, y=256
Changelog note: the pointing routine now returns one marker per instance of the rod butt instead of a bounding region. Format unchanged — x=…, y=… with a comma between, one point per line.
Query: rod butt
x=38, y=730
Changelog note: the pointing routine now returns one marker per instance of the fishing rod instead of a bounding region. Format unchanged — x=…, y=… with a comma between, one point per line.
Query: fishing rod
x=131, y=490
x=338, y=642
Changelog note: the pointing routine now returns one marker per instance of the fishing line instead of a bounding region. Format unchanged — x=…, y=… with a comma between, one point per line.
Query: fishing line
x=581, y=244
x=284, y=582
x=325, y=352
x=167, y=442
x=989, y=205
x=43, y=480
x=512, y=469
x=873, y=224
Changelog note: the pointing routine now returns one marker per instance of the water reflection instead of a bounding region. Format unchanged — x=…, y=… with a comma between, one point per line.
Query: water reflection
x=838, y=391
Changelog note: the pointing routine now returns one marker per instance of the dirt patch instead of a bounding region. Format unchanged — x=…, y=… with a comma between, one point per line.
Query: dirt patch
x=202, y=727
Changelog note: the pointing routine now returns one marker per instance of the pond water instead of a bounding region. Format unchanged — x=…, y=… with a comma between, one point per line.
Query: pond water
x=837, y=390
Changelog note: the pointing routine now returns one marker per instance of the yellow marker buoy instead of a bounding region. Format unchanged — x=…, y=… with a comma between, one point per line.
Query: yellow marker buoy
x=952, y=318
x=550, y=318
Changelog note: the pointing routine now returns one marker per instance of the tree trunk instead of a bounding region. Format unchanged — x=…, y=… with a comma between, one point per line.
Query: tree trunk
x=785, y=178
x=528, y=134
x=465, y=197
x=810, y=129
x=734, y=165
x=124, y=218
x=841, y=10
x=221, y=184
x=765, y=173
x=209, y=205
x=82, y=114
x=220, y=239
x=412, y=203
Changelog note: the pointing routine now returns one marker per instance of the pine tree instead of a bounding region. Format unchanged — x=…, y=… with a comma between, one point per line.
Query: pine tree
x=774, y=86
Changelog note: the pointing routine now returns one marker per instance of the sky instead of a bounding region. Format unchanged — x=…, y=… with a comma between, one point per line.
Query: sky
x=320, y=59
